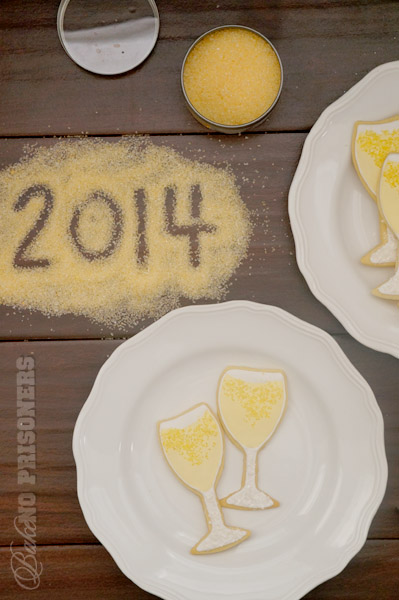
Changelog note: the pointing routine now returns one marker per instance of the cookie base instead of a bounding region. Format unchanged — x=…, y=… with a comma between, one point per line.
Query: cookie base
x=384, y=254
x=389, y=290
x=211, y=542
x=255, y=500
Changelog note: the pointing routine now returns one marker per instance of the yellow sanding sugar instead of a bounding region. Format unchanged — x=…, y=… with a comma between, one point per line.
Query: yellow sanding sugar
x=232, y=76
x=123, y=230
x=255, y=398
x=379, y=145
x=194, y=442
x=391, y=173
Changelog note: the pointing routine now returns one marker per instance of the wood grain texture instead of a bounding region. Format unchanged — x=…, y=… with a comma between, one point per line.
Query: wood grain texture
x=325, y=47
x=264, y=166
x=65, y=372
x=89, y=573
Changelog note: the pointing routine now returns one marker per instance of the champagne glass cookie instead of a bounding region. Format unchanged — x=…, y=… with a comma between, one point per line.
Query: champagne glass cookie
x=371, y=142
x=193, y=445
x=388, y=202
x=251, y=403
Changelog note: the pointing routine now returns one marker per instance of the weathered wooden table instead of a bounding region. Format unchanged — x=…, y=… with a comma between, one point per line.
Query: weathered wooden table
x=325, y=47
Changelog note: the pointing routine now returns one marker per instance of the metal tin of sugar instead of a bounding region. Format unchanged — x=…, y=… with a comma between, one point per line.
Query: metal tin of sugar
x=219, y=126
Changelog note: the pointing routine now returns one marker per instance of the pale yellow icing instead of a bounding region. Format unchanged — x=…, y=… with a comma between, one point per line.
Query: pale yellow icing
x=369, y=170
x=194, y=451
x=251, y=410
x=389, y=194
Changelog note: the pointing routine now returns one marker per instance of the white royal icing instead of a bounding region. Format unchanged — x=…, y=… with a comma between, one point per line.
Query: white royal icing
x=255, y=376
x=185, y=419
x=386, y=253
x=249, y=496
x=390, y=287
x=220, y=535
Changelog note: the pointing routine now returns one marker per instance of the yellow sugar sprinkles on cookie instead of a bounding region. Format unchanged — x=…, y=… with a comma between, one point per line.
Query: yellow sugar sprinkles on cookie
x=372, y=141
x=388, y=202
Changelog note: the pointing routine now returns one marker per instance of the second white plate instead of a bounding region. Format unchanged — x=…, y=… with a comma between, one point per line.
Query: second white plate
x=335, y=222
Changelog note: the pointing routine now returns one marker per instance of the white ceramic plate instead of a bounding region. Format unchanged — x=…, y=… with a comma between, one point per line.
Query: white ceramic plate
x=335, y=222
x=326, y=463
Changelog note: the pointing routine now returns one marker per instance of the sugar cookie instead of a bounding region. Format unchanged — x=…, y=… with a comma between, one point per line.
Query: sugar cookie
x=388, y=202
x=251, y=403
x=371, y=142
x=193, y=446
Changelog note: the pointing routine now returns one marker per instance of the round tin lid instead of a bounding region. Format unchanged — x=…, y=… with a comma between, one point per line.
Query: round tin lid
x=106, y=37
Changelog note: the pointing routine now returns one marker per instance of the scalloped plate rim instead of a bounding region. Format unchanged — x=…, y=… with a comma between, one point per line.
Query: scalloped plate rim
x=298, y=229
x=169, y=593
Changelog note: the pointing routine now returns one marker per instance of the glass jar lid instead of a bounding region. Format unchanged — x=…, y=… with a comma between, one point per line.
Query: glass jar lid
x=108, y=37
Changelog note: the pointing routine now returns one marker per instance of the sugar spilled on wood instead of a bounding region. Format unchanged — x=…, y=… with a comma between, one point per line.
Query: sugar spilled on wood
x=117, y=231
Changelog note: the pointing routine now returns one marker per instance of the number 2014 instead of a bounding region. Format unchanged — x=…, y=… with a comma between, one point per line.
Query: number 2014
x=139, y=198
